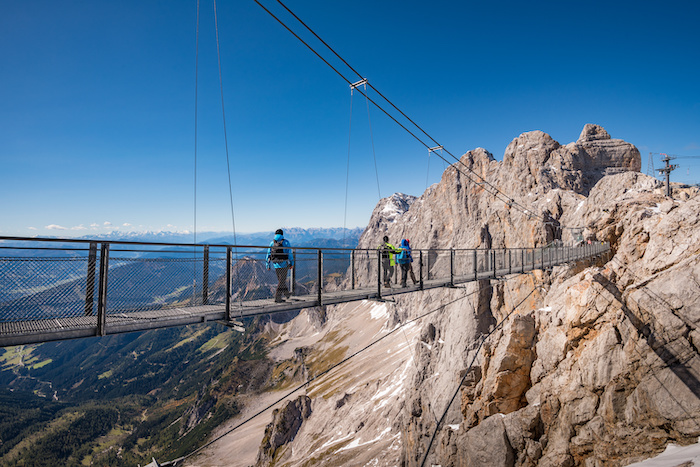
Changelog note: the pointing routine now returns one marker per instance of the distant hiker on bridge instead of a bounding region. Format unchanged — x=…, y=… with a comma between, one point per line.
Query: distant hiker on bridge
x=282, y=259
x=405, y=259
x=388, y=252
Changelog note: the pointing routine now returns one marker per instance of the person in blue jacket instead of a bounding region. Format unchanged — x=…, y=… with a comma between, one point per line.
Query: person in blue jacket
x=405, y=259
x=280, y=255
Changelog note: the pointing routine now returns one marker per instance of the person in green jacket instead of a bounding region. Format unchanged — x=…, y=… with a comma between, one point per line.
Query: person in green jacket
x=388, y=252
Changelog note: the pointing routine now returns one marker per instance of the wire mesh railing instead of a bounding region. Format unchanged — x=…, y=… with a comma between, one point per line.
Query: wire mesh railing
x=45, y=279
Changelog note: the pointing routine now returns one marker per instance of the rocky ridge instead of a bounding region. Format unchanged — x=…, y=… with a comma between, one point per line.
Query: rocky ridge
x=587, y=364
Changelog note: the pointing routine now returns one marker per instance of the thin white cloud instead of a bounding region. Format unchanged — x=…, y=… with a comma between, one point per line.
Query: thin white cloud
x=107, y=224
x=33, y=228
x=79, y=227
x=126, y=224
x=55, y=227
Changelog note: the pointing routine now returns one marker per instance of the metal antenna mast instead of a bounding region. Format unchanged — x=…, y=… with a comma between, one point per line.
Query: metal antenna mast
x=650, y=166
x=667, y=170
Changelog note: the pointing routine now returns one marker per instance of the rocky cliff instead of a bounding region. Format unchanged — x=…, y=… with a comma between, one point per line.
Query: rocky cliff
x=583, y=365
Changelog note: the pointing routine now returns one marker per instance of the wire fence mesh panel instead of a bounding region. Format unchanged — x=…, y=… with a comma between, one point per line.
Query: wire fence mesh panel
x=336, y=271
x=463, y=263
x=306, y=278
x=483, y=261
x=42, y=288
x=367, y=268
x=438, y=264
x=138, y=284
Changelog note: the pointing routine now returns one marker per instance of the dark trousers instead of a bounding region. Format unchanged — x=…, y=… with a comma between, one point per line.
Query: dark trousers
x=406, y=269
x=282, y=283
x=388, y=271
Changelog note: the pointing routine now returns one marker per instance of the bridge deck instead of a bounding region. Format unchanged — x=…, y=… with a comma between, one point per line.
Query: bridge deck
x=73, y=308
x=43, y=330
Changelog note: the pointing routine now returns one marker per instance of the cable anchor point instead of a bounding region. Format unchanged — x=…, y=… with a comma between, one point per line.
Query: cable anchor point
x=362, y=82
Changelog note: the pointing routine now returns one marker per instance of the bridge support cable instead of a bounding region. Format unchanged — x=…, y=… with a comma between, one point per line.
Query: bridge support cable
x=471, y=176
x=228, y=161
x=374, y=154
x=347, y=169
x=196, y=112
x=430, y=151
x=353, y=86
x=223, y=115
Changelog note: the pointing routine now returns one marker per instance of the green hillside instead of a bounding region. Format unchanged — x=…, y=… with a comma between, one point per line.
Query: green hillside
x=122, y=399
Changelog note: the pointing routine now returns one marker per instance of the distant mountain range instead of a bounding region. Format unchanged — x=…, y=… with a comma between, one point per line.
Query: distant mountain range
x=322, y=237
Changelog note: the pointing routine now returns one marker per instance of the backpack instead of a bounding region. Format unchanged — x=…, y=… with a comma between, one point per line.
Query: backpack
x=386, y=251
x=277, y=252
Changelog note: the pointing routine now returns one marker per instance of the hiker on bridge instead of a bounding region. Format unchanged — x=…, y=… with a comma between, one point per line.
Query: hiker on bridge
x=280, y=255
x=388, y=253
x=405, y=259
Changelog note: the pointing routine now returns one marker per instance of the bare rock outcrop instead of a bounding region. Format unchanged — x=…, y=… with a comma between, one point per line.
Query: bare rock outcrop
x=600, y=365
x=283, y=428
x=590, y=364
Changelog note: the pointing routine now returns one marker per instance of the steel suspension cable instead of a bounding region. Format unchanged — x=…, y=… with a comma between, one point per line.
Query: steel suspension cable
x=494, y=190
x=223, y=112
x=196, y=103
x=347, y=172
x=374, y=154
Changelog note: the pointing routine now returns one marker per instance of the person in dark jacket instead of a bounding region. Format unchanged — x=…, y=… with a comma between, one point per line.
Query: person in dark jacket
x=388, y=252
x=405, y=259
x=280, y=255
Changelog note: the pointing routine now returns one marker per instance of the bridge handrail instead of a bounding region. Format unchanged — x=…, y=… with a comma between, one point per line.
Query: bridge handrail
x=100, y=282
x=220, y=245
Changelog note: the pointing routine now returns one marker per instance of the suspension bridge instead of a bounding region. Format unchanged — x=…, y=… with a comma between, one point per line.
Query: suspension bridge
x=56, y=289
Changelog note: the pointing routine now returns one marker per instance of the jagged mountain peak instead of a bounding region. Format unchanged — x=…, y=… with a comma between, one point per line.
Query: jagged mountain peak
x=573, y=376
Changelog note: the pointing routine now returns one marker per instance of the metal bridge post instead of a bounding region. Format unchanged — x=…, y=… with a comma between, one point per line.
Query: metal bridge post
x=510, y=264
x=102, y=292
x=379, y=274
x=293, y=275
x=228, y=283
x=90, y=280
x=522, y=260
x=476, y=272
x=427, y=264
x=452, y=267
x=493, y=262
x=420, y=268
x=205, y=276
x=320, y=277
x=352, y=268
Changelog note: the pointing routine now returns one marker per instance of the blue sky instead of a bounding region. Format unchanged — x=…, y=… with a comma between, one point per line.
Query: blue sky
x=98, y=103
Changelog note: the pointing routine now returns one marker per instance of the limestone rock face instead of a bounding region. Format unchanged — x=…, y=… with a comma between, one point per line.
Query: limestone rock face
x=283, y=428
x=588, y=364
